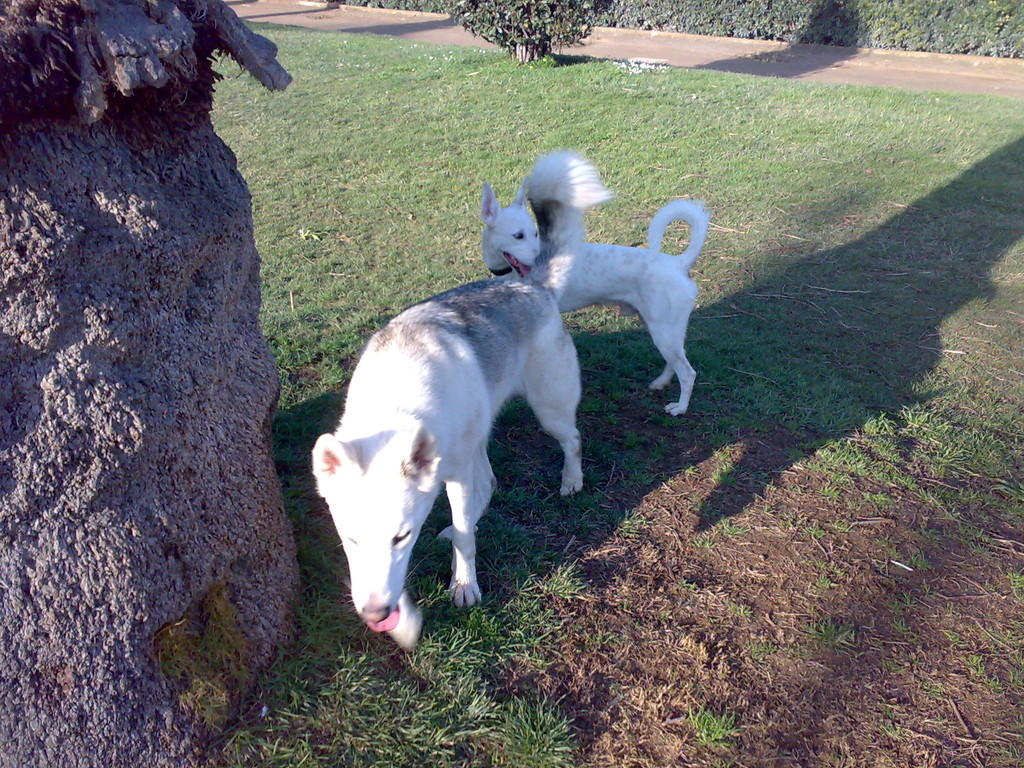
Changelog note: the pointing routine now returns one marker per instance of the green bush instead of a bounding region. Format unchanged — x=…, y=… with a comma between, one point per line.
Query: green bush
x=984, y=28
x=527, y=29
x=429, y=6
x=980, y=27
x=755, y=19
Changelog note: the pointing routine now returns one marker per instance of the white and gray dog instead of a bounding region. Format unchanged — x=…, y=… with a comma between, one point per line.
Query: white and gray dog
x=418, y=415
x=554, y=252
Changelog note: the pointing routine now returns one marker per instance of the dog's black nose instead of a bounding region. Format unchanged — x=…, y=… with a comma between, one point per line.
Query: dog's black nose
x=375, y=612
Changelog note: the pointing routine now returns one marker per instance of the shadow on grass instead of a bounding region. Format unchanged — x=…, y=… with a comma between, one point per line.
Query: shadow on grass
x=571, y=60
x=809, y=356
x=847, y=333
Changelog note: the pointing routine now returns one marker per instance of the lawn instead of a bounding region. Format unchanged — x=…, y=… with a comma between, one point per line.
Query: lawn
x=821, y=564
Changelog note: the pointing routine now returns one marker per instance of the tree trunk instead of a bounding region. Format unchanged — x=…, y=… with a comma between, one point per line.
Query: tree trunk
x=146, y=565
x=524, y=53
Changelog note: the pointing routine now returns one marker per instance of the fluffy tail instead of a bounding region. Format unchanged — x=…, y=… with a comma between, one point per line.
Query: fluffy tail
x=693, y=213
x=560, y=188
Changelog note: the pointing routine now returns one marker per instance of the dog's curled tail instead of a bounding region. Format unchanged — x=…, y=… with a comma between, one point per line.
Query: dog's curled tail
x=693, y=213
x=560, y=188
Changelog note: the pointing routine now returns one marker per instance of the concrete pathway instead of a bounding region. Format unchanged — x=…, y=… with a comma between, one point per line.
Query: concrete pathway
x=860, y=66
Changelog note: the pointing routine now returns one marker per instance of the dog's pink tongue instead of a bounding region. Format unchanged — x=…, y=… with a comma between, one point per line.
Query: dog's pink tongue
x=387, y=624
x=522, y=269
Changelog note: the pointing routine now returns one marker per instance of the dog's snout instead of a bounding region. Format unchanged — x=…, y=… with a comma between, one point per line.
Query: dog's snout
x=375, y=612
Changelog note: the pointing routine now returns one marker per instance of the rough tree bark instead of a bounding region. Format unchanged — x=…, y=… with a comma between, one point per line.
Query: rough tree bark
x=144, y=553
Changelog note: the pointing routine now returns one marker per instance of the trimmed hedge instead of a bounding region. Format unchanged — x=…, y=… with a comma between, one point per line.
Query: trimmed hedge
x=980, y=27
x=429, y=6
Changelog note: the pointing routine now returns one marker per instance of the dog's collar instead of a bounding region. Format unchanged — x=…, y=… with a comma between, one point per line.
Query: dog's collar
x=500, y=272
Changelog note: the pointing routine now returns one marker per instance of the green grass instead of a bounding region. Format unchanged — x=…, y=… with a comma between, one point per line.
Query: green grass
x=711, y=729
x=1017, y=584
x=833, y=634
x=860, y=290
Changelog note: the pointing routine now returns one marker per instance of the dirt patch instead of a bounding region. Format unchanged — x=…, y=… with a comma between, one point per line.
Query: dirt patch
x=750, y=613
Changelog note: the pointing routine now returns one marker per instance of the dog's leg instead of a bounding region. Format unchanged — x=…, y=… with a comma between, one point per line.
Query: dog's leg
x=687, y=377
x=562, y=427
x=468, y=500
x=553, y=391
x=668, y=333
x=669, y=343
x=463, y=587
x=664, y=379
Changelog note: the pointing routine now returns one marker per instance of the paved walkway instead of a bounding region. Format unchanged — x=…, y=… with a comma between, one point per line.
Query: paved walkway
x=860, y=66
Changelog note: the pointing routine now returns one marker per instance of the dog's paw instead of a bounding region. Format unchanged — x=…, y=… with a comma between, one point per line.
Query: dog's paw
x=571, y=484
x=676, y=409
x=464, y=595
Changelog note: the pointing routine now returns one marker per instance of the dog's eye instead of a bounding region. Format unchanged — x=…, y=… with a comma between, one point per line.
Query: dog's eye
x=399, y=539
x=518, y=235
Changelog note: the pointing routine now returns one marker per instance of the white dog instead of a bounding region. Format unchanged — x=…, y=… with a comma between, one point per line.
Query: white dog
x=553, y=252
x=418, y=414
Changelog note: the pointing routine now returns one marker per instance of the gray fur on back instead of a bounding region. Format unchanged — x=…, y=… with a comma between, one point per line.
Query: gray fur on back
x=492, y=316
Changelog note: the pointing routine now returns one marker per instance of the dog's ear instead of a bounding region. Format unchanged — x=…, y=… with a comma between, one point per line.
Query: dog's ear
x=521, y=195
x=421, y=465
x=489, y=208
x=329, y=454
